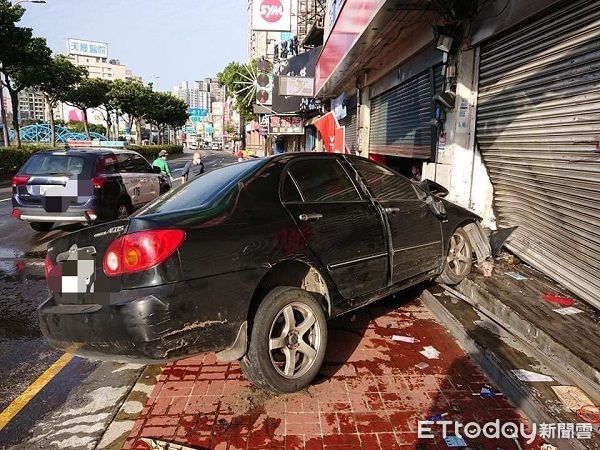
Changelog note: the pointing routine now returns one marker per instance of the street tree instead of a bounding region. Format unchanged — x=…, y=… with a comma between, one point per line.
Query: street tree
x=167, y=110
x=57, y=80
x=22, y=57
x=89, y=93
x=135, y=99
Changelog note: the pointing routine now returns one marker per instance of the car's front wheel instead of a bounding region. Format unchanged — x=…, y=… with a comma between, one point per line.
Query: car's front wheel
x=41, y=226
x=459, y=260
x=287, y=342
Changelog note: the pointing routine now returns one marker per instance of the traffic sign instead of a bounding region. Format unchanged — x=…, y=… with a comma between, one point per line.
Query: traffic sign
x=200, y=112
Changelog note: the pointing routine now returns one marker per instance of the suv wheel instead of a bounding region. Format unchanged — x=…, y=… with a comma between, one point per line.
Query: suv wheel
x=123, y=210
x=287, y=342
x=41, y=226
x=459, y=260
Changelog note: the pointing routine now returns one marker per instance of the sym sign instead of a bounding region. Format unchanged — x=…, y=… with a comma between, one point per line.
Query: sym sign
x=271, y=15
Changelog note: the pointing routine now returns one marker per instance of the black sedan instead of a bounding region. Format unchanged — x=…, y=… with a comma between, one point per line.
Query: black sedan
x=250, y=261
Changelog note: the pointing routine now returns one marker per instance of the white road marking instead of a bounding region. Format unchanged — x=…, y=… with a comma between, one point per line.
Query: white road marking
x=5, y=199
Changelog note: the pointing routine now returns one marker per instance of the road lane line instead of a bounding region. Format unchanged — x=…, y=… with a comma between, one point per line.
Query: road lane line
x=5, y=199
x=21, y=401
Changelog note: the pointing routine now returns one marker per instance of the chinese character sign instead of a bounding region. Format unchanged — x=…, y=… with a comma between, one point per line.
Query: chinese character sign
x=286, y=125
x=87, y=48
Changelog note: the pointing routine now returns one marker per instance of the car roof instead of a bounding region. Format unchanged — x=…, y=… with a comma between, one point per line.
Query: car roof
x=96, y=151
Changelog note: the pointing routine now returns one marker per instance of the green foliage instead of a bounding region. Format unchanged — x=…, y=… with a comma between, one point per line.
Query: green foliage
x=150, y=152
x=167, y=110
x=79, y=127
x=89, y=93
x=131, y=97
x=235, y=77
x=59, y=78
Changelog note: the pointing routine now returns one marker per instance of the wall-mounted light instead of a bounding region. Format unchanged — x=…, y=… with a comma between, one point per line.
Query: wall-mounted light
x=446, y=37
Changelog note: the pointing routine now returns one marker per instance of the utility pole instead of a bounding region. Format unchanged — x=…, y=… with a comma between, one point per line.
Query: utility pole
x=3, y=115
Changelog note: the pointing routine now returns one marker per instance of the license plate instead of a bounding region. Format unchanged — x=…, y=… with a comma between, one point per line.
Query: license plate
x=78, y=269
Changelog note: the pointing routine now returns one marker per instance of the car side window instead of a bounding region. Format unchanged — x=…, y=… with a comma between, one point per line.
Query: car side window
x=140, y=165
x=323, y=180
x=290, y=191
x=124, y=163
x=383, y=183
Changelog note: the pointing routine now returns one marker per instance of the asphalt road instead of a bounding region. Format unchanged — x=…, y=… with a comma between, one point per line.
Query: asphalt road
x=24, y=354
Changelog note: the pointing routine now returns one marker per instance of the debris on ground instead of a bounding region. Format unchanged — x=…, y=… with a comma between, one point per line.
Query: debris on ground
x=430, y=352
x=572, y=397
x=156, y=444
x=407, y=339
x=487, y=391
x=548, y=447
x=455, y=441
x=568, y=311
x=421, y=365
x=487, y=268
x=516, y=275
x=558, y=299
x=526, y=375
x=437, y=417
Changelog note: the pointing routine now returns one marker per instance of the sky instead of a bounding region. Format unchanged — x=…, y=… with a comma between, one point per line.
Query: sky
x=175, y=40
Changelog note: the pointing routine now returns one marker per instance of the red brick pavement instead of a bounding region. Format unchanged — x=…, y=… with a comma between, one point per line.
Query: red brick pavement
x=369, y=394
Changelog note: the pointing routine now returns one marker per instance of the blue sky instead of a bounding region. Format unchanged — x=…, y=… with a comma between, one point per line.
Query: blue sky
x=173, y=39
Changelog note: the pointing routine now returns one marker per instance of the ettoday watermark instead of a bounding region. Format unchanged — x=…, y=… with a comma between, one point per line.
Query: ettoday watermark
x=508, y=430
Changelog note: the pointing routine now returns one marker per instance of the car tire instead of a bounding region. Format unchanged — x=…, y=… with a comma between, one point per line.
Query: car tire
x=276, y=338
x=42, y=227
x=459, y=260
x=123, y=210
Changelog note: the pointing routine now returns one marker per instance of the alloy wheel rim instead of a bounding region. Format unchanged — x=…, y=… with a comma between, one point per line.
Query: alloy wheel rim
x=459, y=255
x=294, y=340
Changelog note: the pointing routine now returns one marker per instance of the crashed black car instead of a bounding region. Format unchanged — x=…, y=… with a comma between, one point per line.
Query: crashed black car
x=250, y=261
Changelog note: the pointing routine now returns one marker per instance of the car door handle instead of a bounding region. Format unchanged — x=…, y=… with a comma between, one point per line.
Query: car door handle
x=392, y=210
x=309, y=217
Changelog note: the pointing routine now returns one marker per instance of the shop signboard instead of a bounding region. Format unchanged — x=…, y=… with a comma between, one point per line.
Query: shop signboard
x=286, y=125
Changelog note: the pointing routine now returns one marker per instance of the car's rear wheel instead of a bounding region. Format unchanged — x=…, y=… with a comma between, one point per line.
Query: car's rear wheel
x=287, y=342
x=459, y=260
x=41, y=226
x=123, y=210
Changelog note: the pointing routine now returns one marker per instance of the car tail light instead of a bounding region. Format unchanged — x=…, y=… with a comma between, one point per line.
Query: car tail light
x=98, y=181
x=140, y=251
x=16, y=213
x=48, y=265
x=18, y=180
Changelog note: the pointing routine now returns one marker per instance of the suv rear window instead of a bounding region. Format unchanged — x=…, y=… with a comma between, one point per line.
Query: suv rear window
x=55, y=164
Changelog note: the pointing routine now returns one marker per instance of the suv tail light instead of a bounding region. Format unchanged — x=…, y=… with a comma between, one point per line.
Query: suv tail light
x=18, y=180
x=140, y=251
x=98, y=181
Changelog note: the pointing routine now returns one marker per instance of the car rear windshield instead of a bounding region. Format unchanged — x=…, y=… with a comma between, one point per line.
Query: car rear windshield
x=55, y=164
x=203, y=190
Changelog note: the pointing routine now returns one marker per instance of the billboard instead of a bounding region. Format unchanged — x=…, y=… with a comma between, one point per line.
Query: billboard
x=286, y=125
x=296, y=86
x=271, y=15
x=87, y=48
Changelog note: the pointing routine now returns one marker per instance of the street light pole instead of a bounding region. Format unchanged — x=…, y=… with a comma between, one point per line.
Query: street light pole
x=29, y=1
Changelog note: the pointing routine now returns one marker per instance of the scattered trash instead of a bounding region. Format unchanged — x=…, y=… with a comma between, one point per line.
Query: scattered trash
x=456, y=409
x=437, y=417
x=572, y=397
x=458, y=295
x=526, y=375
x=430, y=352
x=439, y=294
x=516, y=276
x=548, y=447
x=487, y=391
x=155, y=444
x=487, y=267
x=455, y=441
x=408, y=339
x=421, y=365
x=589, y=414
x=558, y=299
x=568, y=311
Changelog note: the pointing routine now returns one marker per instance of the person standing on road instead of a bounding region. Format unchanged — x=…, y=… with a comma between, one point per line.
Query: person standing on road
x=161, y=163
x=193, y=168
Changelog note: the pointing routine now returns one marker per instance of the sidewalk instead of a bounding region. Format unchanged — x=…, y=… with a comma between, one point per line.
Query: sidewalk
x=370, y=394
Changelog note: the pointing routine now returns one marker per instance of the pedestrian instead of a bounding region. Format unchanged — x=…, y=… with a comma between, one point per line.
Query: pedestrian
x=161, y=163
x=193, y=168
x=240, y=155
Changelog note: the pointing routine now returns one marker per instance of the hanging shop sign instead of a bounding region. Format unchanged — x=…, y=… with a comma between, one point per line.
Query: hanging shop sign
x=296, y=86
x=286, y=125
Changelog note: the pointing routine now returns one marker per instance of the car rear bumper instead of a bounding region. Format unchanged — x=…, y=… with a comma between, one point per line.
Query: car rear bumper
x=70, y=216
x=147, y=329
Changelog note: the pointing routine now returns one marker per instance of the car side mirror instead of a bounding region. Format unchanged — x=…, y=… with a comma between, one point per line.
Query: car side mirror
x=156, y=169
x=433, y=188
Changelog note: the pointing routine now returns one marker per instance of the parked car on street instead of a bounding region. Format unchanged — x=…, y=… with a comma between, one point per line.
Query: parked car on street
x=83, y=185
x=250, y=261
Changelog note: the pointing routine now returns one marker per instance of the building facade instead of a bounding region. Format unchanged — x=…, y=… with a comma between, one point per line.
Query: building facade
x=498, y=101
x=32, y=106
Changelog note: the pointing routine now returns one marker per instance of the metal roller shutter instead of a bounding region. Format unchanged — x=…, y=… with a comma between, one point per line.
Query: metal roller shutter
x=350, y=123
x=401, y=117
x=538, y=124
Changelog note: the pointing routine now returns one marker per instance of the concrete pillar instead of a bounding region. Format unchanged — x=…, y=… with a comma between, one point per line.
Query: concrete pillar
x=459, y=165
x=363, y=121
